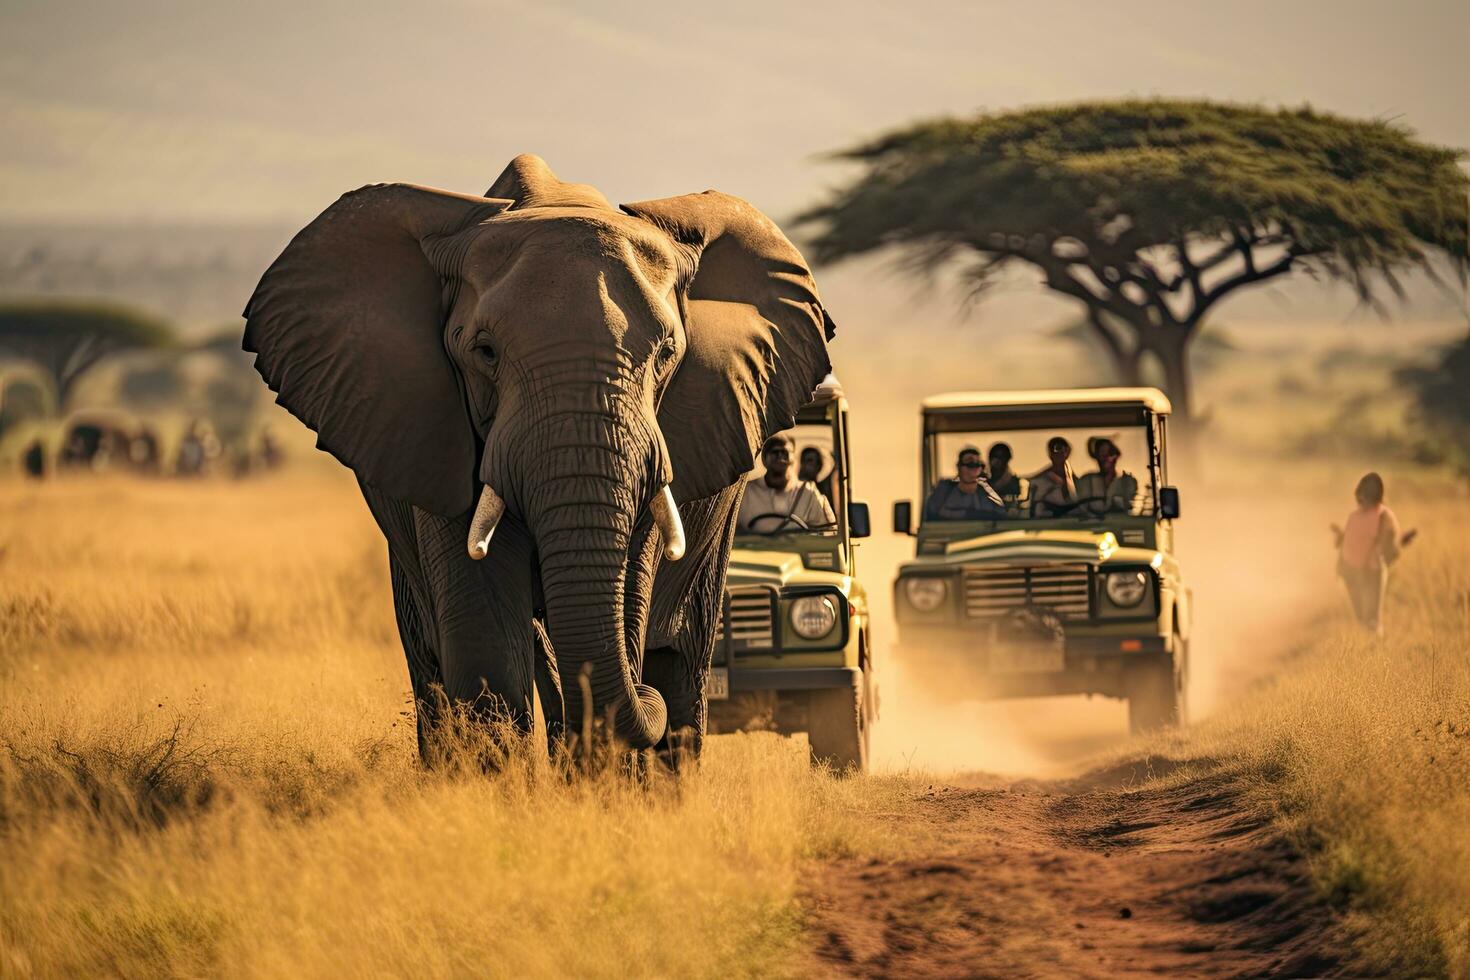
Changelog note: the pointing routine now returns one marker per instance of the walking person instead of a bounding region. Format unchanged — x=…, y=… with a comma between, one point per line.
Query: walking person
x=1368, y=544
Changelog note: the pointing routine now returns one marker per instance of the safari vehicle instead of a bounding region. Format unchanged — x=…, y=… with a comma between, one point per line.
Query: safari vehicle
x=793, y=651
x=1077, y=598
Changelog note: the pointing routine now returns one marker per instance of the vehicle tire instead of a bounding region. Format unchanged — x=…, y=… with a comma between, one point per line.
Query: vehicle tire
x=837, y=728
x=1153, y=699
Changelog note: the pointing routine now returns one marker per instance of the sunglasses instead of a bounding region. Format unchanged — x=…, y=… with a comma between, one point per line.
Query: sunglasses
x=777, y=451
x=970, y=465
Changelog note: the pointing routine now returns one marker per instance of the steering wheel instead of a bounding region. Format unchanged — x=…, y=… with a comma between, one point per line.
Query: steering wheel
x=1062, y=510
x=784, y=519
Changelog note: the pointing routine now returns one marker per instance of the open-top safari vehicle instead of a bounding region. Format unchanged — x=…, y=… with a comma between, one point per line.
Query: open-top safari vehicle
x=793, y=652
x=1064, y=590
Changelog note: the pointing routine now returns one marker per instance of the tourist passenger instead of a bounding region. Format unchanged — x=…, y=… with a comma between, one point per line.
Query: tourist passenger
x=1054, y=489
x=967, y=497
x=1002, y=479
x=1109, y=489
x=1368, y=544
x=813, y=460
x=773, y=498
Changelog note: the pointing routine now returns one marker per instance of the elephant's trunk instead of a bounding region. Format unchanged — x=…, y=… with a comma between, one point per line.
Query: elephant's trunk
x=585, y=583
x=588, y=503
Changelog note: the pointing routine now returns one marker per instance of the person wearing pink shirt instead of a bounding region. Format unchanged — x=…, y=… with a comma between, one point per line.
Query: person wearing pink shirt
x=1367, y=544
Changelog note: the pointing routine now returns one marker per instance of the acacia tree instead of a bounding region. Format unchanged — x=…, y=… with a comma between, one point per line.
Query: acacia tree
x=65, y=339
x=1150, y=212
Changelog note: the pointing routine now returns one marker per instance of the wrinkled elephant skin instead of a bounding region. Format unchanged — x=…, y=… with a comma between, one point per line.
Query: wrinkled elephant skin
x=550, y=404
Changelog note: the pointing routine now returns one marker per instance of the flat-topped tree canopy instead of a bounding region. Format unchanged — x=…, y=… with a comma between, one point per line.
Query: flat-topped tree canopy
x=65, y=338
x=1149, y=211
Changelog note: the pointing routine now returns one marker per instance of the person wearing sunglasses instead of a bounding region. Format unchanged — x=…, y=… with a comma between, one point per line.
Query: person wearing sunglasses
x=1109, y=490
x=968, y=497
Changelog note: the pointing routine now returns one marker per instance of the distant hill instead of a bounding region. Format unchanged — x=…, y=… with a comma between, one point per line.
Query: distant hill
x=201, y=275
x=198, y=276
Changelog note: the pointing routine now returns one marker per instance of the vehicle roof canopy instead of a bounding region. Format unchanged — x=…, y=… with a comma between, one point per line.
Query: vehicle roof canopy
x=1042, y=408
x=826, y=393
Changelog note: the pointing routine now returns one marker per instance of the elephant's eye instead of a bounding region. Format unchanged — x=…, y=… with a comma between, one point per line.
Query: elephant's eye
x=667, y=350
x=486, y=351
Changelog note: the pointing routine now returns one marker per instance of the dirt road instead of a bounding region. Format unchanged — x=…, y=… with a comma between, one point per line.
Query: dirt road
x=1087, y=877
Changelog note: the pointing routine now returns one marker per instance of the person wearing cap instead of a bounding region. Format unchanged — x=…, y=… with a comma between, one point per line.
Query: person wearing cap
x=1002, y=479
x=813, y=460
x=775, y=496
x=967, y=497
x=1109, y=490
x=1054, y=489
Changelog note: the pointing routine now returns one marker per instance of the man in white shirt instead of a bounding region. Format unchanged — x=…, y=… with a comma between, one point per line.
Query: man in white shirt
x=771, y=499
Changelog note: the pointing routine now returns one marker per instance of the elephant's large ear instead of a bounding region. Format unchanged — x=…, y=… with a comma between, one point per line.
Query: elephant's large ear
x=348, y=326
x=757, y=339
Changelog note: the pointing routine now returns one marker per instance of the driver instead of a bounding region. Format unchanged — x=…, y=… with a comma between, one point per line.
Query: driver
x=1054, y=489
x=967, y=497
x=772, y=498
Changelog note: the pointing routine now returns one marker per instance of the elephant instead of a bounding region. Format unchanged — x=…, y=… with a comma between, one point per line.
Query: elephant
x=550, y=405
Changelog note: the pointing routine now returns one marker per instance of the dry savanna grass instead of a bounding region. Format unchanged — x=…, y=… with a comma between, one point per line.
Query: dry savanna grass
x=207, y=767
x=1360, y=747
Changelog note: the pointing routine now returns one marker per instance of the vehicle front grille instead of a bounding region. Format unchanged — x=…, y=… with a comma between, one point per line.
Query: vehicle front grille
x=992, y=591
x=749, y=615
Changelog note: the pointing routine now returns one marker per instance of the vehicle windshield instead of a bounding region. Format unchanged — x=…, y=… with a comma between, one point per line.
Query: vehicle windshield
x=1086, y=474
x=794, y=487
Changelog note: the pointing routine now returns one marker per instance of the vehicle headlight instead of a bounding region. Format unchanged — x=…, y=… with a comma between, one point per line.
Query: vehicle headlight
x=1126, y=589
x=813, y=616
x=925, y=594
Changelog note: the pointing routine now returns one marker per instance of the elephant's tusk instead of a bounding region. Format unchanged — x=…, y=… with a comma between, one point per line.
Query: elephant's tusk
x=666, y=516
x=482, y=525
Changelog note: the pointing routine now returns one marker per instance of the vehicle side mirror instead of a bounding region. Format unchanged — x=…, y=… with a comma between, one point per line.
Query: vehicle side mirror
x=1169, y=502
x=858, y=523
x=903, y=517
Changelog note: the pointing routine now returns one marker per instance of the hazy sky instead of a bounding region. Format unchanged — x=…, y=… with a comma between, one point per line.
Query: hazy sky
x=198, y=110
x=201, y=111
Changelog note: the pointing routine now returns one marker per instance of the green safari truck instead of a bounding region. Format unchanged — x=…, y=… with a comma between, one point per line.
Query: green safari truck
x=794, y=652
x=1071, y=586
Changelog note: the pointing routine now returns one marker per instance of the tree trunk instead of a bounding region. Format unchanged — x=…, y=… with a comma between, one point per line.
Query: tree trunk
x=1125, y=359
x=1173, y=355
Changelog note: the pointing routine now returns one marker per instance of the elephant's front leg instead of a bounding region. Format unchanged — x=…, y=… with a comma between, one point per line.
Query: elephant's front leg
x=685, y=614
x=481, y=613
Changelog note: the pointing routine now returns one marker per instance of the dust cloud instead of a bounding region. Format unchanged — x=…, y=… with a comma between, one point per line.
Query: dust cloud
x=1253, y=543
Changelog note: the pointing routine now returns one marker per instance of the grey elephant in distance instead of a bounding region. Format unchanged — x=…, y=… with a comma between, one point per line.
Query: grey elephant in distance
x=550, y=404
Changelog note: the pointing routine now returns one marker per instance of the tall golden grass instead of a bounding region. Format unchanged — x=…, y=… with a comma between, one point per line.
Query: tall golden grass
x=1360, y=747
x=207, y=767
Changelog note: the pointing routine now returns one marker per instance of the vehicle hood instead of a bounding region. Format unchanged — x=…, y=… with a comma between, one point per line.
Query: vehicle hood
x=1047, y=545
x=778, y=568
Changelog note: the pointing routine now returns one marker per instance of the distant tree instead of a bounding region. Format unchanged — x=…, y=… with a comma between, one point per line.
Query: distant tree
x=152, y=386
x=66, y=339
x=1150, y=212
x=1442, y=404
x=24, y=395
